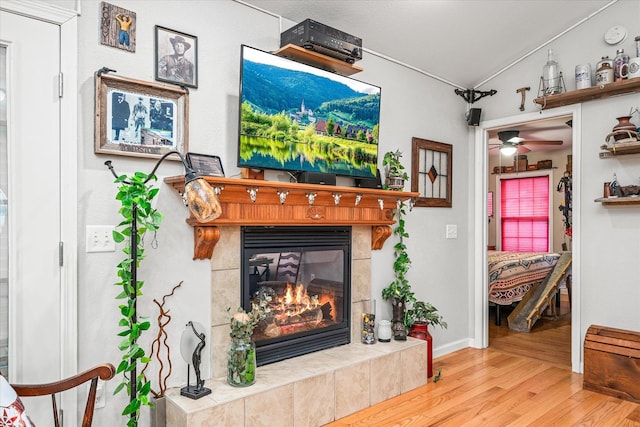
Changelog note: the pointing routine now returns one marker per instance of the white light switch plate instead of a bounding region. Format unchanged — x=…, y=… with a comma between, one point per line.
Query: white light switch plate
x=100, y=238
x=452, y=231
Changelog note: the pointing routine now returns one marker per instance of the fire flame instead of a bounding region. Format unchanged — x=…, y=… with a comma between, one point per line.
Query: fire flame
x=296, y=301
x=295, y=310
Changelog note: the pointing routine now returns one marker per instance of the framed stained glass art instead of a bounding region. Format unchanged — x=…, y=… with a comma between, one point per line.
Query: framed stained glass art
x=431, y=172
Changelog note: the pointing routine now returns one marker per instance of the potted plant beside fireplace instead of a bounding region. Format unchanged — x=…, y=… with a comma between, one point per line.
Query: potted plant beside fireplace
x=417, y=320
x=399, y=290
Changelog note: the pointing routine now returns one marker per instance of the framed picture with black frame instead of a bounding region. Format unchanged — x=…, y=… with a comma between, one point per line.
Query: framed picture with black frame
x=176, y=57
x=205, y=164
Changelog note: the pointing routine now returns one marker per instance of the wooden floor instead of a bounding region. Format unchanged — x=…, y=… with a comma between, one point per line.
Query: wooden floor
x=549, y=340
x=509, y=384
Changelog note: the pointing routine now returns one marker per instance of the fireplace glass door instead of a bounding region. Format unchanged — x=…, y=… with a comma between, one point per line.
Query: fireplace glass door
x=302, y=274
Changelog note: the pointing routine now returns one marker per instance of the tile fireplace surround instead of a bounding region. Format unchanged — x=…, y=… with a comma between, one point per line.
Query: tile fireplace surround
x=309, y=390
x=316, y=388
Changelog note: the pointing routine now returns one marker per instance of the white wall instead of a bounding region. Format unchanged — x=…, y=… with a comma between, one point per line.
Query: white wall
x=609, y=238
x=412, y=105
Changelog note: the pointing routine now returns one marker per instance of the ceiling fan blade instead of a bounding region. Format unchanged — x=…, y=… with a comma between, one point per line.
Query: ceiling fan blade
x=542, y=142
x=522, y=149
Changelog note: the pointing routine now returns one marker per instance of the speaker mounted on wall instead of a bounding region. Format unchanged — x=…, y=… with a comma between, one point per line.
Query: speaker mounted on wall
x=473, y=116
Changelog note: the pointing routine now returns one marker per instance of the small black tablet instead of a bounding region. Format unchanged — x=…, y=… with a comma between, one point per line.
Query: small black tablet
x=205, y=164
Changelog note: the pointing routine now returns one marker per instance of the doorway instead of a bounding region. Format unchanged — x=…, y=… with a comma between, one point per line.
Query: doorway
x=481, y=189
x=39, y=236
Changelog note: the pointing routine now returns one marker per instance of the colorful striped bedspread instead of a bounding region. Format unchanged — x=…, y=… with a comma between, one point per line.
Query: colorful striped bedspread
x=511, y=274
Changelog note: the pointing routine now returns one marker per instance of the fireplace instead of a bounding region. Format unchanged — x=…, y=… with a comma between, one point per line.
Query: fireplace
x=302, y=274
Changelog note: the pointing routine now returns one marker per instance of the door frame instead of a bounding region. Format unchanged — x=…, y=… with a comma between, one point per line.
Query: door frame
x=480, y=237
x=67, y=21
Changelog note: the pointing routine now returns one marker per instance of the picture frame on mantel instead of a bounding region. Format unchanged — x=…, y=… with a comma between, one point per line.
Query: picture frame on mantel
x=432, y=172
x=138, y=118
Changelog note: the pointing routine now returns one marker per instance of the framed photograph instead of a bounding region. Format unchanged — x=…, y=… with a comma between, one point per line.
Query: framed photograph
x=431, y=172
x=140, y=119
x=205, y=164
x=176, y=57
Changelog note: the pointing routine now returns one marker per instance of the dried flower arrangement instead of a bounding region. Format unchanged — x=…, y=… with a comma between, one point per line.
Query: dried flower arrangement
x=241, y=365
x=243, y=323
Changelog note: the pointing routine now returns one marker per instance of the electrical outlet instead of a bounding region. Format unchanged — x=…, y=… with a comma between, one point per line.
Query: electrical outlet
x=100, y=238
x=100, y=395
x=452, y=231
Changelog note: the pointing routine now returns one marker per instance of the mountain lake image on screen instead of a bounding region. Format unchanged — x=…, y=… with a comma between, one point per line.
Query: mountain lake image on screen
x=299, y=118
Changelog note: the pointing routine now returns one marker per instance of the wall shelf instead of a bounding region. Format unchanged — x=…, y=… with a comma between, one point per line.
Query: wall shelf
x=618, y=201
x=589, y=94
x=310, y=57
x=619, y=149
x=272, y=203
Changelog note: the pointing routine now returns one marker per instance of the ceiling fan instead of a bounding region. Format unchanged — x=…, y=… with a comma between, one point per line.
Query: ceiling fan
x=512, y=142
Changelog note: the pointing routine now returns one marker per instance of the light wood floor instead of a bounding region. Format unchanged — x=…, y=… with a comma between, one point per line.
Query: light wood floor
x=549, y=340
x=508, y=384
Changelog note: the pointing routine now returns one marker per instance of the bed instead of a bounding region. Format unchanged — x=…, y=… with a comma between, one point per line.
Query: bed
x=512, y=274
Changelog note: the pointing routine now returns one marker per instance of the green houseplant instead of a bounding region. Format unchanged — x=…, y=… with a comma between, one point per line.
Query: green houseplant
x=423, y=312
x=417, y=320
x=138, y=217
x=399, y=290
x=395, y=174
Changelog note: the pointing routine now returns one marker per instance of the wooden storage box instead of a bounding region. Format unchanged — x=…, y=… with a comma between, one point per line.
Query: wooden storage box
x=612, y=362
x=520, y=162
x=545, y=164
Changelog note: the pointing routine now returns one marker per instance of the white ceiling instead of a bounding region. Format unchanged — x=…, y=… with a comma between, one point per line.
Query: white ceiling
x=461, y=42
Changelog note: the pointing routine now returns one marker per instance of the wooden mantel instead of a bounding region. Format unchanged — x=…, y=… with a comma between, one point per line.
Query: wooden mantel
x=284, y=203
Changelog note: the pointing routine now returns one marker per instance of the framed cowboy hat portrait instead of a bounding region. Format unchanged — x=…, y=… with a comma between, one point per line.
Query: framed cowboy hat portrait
x=176, y=57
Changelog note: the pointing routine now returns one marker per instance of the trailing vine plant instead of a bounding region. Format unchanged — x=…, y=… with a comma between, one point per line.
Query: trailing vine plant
x=400, y=288
x=399, y=291
x=139, y=217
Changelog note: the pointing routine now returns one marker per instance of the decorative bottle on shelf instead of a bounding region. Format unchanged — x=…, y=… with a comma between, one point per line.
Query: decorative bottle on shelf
x=637, y=40
x=604, y=71
x=614, y=187
x=550, y=75
x=620, y=65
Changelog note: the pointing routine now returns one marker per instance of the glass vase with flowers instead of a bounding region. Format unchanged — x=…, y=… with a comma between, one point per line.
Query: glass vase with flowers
x=241, y=363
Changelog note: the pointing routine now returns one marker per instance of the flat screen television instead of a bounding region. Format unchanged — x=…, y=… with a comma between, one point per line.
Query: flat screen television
x=299, y=118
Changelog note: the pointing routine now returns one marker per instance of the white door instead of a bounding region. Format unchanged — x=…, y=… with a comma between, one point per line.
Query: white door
x=32, y=238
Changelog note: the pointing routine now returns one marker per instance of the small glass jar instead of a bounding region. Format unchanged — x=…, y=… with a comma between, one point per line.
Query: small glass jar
x=241, y=364
x=384, y=331
x=368, y=333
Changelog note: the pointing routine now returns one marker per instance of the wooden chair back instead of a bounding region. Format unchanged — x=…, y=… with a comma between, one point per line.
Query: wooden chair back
x=104, y=372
